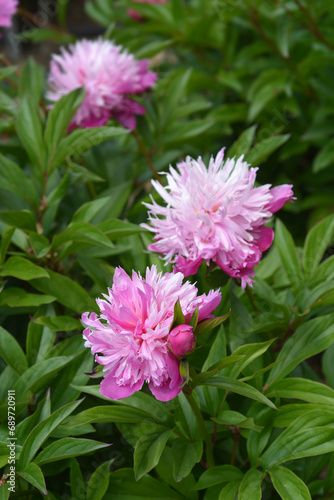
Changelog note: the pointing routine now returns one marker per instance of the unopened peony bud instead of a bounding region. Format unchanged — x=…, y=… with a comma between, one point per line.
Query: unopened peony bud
x=182, y=340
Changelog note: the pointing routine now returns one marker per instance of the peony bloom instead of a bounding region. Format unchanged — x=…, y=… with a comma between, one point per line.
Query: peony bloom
x=215, y=214
x=135, y=15
x=108, y=74
x=132, y=332
x=7, y=9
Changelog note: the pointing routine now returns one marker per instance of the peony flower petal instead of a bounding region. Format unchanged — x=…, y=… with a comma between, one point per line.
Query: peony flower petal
x=7, y=9
x=108, y=74
x=110, y=389
x=214, y=214
x=130, y=337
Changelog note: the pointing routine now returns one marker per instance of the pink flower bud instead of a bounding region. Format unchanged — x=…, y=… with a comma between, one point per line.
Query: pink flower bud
x=182, y=340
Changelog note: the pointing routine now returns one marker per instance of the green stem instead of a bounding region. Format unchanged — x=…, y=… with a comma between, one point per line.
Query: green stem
x=208, y=443
x=253, y=301
x=146, y=154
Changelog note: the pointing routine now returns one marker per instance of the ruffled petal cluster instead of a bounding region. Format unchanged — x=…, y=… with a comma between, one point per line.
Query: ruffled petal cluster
x=109, y=75
x=7, y=9
x=131, y=333
x=215, y=214
x=138, y=17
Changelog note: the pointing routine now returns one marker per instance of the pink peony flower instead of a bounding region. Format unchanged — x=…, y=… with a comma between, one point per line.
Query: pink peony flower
x=215, y=214
x=182, y=340
x=108, y=75
x=138, y=17
x=7, y=9
x=132, y=331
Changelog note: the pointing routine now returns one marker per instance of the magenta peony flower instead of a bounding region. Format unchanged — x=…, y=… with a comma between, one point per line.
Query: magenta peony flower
x=182, y=340
x=108, y=75
x=215, y=214
x=7, y=9
x=138, y=17
x=132, y=332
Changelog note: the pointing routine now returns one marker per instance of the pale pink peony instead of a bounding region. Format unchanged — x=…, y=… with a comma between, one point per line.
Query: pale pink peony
x=138, y=17
x=215, y=214
x=108, y=73
x=7, y=9
x=182, y=340
x=132, y=331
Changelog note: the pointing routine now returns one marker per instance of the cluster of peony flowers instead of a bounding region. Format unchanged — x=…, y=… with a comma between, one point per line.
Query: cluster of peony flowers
x=135, y=15
x=7, y=9
x=215, y=214
x=133, y=332
x=108, y=73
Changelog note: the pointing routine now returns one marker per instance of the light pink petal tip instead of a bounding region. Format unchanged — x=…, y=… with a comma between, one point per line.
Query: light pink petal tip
x=215, y=214
x=109, y=75
x=130, y=337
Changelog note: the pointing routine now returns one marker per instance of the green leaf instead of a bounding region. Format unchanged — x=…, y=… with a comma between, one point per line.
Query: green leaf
x=14, y=180
x=123, y=485
x=248, y=353
x=87, y=211
x=186, y=455
x=68, y=292
x=68, y=447
x=151, y=49
x=99, y=481
x=114, y=414
x=78, y=141
x=4, y=491
x=59, y=119
x=309, y=339
x=39, y=374
x=317, y=240
x=40, y=245
x=78, y=485
x=82, y=232
x=288, y=485
x=22, y=269
x=234, y=418
x=290, y=445
x=250, y=487
x=39, y=341
x=325, y=157
x=217, y=475
x=238, y=387
x=17, y=297
x=148, y=451
x=12, y=353
x=262, y=150
x=305, y=443
x=178, y=317
x=22, y=219
x=290, y=412
x=229, y=491
x=194, y=318
x=31, y=81
x=29, y=129
x=209, y=324
x=116, y=229
x=33, y=474
x=41, y=432
x=176, y=90
x=59, y=323
x=300, y=388
x=288, y=254
x=5, y=242
x=242, y=145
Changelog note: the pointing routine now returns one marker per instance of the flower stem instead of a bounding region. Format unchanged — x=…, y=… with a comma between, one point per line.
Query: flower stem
x=253, y=301
x=208, y=443
x=146, y=154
